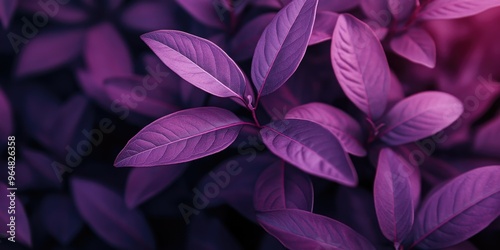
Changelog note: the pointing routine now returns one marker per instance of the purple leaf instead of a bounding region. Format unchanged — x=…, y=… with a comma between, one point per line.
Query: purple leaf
x=401, y=9
x=283, y=45
x=244, y=42
x=6, y=125
x=311, y=148
x=365, y=82
x=393, y=195
x=106, y=54
x=487, y=140
x=49, y=51
x=459, y=209
x=144, y=183
x=204, y=11
x=337, y=5
x=323, y=27
x=36, y=171
x=64, y=127
x=446, y=9
x=7, y=9
x=147, y=16
x=340, y=124
x=180, y=137
x=60, y=218
x=281, y=187
x=198, y=61
x=22, y=226
x=419, y=116
x=108, y=216
x=417, y=46
x=298, y=229
x=155, y=102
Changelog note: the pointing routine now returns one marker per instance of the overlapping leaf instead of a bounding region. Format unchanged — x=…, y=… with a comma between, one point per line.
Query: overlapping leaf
x=281, y=187
x=458, y=210
x=180, y=137
x=298, y=229
x=393, y=195
x=340, y=124
x=283, y=45
x=446, y=9
x=198, y=61
x=417, y=46
x=419, y=116
x=365, y=82
x=311, y=148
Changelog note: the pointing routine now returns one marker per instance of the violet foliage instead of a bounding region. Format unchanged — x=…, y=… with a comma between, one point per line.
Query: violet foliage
x=252, y=124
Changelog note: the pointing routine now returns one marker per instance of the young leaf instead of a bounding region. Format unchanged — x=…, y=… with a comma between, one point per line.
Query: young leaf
x=365, y=82
x=323, y=27
x=283, y=45
x=392, y=192
x=180, y=137
x=144, y=183
x=419, y=116
x=298, y=229
x=459, y=210
x=311, y=148
x=446, y=9
x=340, y=124
x=281, y=187
x=417, y=46
x=487, y=140
x=106, y=213
x=198, y=61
